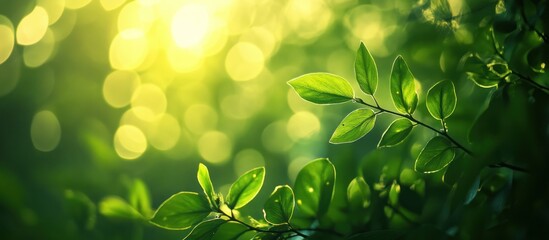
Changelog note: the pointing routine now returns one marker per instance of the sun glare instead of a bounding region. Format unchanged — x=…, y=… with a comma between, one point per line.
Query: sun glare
x=190, y=25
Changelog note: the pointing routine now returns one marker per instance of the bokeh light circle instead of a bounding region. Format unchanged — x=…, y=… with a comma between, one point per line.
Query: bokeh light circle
x=244, y=61
x=190, y=25
x=129, y=142
x=45, y=131
x=149, y=102
x=32, y=27
x=215, y=147
x=128, y=49
x=7, y=36
x=119, y=87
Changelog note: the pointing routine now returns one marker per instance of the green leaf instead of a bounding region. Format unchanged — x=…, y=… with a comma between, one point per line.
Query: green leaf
x=314, y=187
x=365, y=70
x=205, y=182
x=479, y=72
x=245, y=188
x=396, y=133
x=393, y=193
x=181, y=211
x=205, y=230
x=139, y=198
x=230, y=231
x=323, y=88
x=436, y=155
x=117, y=207
x=354, y=126
x=358, y=194
x=279, y=208
x=403, y=87
x=441, y=100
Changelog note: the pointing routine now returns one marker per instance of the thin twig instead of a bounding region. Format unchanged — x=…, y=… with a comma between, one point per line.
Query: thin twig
x=411, y=118
x=443, y=133
x=250, y=227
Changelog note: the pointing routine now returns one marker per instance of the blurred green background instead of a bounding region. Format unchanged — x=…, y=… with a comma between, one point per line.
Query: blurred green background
x=97, y=93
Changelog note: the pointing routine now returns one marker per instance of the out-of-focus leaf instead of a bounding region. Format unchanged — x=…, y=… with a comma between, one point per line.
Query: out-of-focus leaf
x=139, y=198
x=323, y=88
x=245, y=188
x=203, y=176
x=403, y=87
x=366, y=70
x=314, y=187
x=358, y=194
x=279, y=208
x=117, y=207
x=393, y=193
x=473, y=190
x=81, y=208
x=396, y=133
x=436, y=155
x=354, y=126
x=181, y=211
x=205, y=230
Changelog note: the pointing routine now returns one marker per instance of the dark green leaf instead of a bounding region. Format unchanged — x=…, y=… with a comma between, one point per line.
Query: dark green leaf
x=117, y=207
x=538, y=58
x=477, y=71
x=314, y=187
x=354, y=126
x=441, y=100
x=403, y=87
x=436, y=155
x=205, y=182
x=279, y=208
x=358, y=194
x=181, y=211
x=139, y=198
x=323, y=88
x=366, y=70
x=230, y=231
x=396, y=132
x=205, y=230
x=245, y=188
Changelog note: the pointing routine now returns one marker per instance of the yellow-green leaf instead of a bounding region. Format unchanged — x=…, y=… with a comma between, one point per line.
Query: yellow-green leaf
x=203, y=176
x=354, y=126
x=396, y=132
x=279, y=208
x=314, y=187
x=366, y=70
x=245, y=188
x=181, y=211
x=403, y=87
x=441, y=100
x=322, y=88
x=436, y=155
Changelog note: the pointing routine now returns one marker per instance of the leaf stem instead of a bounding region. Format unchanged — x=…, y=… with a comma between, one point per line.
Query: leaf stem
x=250, y=227
x=411, y=118
x=529, y=80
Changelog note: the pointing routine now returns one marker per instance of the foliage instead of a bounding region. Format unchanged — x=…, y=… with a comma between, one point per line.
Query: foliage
x=438, y=129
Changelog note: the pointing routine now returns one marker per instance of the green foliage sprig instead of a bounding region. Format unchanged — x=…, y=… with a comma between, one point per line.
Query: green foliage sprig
x=210, y=215
x=441, y=102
